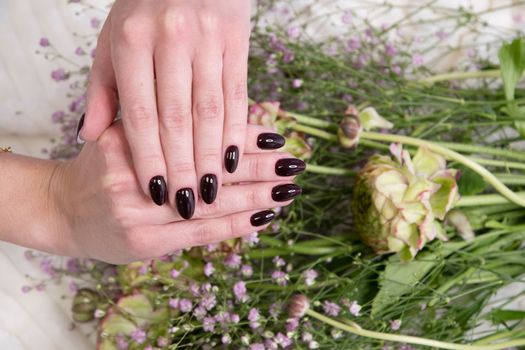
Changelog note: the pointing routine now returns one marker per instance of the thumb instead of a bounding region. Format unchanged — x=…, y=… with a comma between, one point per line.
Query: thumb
x=102, y=96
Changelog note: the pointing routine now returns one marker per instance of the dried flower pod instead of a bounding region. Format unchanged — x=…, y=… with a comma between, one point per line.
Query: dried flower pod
x=84, y=305
x=298, y=306
x=458, y=220
x=349, y=131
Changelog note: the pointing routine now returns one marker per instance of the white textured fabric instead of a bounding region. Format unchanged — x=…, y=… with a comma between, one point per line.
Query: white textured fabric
x=28, y=96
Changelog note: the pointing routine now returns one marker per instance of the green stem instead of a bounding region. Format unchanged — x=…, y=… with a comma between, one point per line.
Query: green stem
x=450, y=154
x=483, y=150
x=499, y=163
x=319, y=169
x=314, y=132
x=485, y=199
x=355, y=329
x=492, y=73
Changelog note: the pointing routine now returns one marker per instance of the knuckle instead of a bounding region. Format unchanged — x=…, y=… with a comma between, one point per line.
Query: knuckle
x=209, y=21
x=208, y=156
x=256, y=168
x=183, y=169
x=239, y=93
x=173, y=22
x=132, y=29
x=209, y=108
x=255, y=199
x=139, y=117
x=176, y=118
x=204, y=234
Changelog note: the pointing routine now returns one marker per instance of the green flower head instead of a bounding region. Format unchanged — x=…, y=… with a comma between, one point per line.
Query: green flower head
x=398, y=203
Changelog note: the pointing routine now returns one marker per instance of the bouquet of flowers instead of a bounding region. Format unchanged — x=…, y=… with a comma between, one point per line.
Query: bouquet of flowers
x=411, y=219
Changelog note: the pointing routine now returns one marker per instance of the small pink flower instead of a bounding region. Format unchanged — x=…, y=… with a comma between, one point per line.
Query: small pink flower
x=331, y=309
x=59, y=74
x=347, y=17
x=239, y=290
x=354, y=308
x=185, y=305
x=95, y=23
x=294, y=32
x=174, y=273
x=395, y=325
x=44, y=42
x=417, y=60
x=174, y=303
x=139, y=336
x=209, y=269
x=208, y=324
x=297, y=83
x=247, y=270
x=517, y=18
x=26, y=289
x=80, y=51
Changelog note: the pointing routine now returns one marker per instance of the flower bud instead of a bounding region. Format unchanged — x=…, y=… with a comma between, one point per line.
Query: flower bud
x=84, y=305
x=349, y=131
x=298, y=306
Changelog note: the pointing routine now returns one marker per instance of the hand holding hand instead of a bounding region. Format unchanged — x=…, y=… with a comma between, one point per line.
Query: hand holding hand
x=179, y=71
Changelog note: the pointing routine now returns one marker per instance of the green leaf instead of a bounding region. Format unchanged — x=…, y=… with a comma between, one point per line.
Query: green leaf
x=470, y=183
x=400, y=277
x=512, y=63
x=502, y=316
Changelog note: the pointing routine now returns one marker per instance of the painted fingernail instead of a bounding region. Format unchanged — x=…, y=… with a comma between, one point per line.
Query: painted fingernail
x=80, y=125
x=209, y=188
x=283, y=193
x=231, y=159
x=185, y=200
x=262, y=218
x=270, y=140
x=158, y=190
x=289, y=166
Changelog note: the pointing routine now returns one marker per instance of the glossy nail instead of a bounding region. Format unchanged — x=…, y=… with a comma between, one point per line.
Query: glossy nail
x=158, y=190
x=185, y=200
x=262, y=218
x=79, y=127
x=289, y=166
x=270, y=140
x=231, y=159
x=209, y=188
x=283, y=193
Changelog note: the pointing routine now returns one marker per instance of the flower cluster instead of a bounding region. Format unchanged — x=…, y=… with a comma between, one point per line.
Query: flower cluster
x=397, y=203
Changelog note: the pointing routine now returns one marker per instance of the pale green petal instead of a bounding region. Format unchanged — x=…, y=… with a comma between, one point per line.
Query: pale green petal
x=394, y=244
x=413, y=212
x=426, y=163
x=447, y=195
x=392, y=184
x=370, y=119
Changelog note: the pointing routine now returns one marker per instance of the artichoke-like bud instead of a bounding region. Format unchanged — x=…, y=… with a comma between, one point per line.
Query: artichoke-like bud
x=398, y=203
x=354, y=122
x=84, y=305
x=297, y=145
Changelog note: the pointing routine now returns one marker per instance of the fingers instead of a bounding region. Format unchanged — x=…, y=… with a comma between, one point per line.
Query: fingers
x=208, y=118
x=102, y=100
x=174, y=95
x=239, y=198
x=272, y=191
x=266, y=167
x=134, y=71
x=234, y=81
x=170, y=237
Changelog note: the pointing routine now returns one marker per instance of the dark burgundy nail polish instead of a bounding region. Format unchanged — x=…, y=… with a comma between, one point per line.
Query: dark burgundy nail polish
x=231, y=159
x=270, y=140
x=79, y=127
x=283, y=193
x=262, y=218
x=209, y=188
x=289, y=166
x=158, y=190
x=185, y=200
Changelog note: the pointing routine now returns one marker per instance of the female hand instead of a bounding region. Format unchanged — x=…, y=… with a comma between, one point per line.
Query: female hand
x=180, y=69
x=105, y=215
